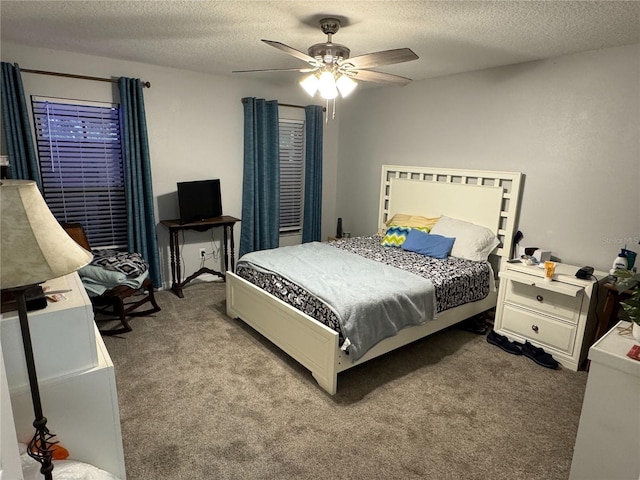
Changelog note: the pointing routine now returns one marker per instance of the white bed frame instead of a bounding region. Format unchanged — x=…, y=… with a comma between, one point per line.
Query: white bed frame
x=486, y=198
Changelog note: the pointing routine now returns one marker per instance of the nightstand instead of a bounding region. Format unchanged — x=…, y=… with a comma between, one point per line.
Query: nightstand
x=558, y=316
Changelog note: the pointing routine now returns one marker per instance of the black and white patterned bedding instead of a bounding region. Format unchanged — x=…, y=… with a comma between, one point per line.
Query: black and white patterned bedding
x=456, y=281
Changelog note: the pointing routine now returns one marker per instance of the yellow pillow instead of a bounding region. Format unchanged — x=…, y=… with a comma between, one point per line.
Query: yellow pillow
x=413, y=221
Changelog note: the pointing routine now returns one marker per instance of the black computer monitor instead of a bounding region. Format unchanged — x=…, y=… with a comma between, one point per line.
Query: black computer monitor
x=199, y=200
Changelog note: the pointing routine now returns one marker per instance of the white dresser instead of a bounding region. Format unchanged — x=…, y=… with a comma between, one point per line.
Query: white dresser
x=558, y=316
x=608, y=440
x=76, y=378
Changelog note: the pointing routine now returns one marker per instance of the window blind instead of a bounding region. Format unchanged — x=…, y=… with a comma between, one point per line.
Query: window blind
x=82, y=167
x=291, y=175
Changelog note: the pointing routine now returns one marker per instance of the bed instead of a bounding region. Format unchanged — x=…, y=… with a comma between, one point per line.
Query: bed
x=484, y=198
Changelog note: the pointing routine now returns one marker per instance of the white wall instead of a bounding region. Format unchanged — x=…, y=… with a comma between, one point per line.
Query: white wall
x=570, y=124
x=195, y=126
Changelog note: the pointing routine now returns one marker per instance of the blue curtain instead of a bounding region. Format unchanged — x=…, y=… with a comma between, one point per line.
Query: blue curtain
x=23, y=161
x=141, y=224
x=313, y=174
x=261, y=177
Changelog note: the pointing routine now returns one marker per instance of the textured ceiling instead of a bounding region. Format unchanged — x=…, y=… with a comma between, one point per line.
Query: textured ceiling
x=221, y=36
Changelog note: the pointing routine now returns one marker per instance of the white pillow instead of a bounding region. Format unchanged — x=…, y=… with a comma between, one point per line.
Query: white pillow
x=473, y=242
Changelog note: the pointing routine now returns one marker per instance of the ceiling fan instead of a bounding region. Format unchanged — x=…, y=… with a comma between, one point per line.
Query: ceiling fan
x=330, y=69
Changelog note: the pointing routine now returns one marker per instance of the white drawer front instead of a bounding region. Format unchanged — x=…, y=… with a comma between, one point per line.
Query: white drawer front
x=556, y=304
x=539, y=329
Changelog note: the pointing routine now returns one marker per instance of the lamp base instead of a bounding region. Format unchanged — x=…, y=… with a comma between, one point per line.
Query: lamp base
x=40, y=447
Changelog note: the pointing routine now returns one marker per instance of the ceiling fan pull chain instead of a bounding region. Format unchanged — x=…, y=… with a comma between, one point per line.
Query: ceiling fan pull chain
x=333, y=117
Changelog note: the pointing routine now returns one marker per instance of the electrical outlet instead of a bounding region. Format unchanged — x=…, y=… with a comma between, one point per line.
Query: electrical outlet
x=202, y=253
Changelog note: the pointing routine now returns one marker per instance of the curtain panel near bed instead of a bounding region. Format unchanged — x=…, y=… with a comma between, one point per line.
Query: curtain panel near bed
x=312, y=220
x=141, y=224
x=23, y=161
x=261, y=176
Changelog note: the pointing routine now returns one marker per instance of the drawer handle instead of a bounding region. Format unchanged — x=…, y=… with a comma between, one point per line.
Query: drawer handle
x=534, y=328
x=539, y=298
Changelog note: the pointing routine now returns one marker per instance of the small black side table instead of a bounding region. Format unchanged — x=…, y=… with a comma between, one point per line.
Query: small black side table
x=174, y=226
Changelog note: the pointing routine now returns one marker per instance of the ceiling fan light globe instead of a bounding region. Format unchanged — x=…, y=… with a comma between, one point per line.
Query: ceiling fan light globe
x=329, y=93
x=327, y=86
x=346, y=85
x=310, y=84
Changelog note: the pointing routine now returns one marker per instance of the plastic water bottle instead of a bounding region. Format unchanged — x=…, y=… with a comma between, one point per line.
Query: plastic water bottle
x=620, y=263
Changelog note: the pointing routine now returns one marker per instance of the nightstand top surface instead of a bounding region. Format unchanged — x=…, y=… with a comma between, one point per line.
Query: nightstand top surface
x=563, y=273
x=612, y=348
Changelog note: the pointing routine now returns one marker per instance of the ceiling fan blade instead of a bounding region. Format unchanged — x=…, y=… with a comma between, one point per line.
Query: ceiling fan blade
x=292, y=51
x=377, y=59
x=300, y=70
x=378, y=77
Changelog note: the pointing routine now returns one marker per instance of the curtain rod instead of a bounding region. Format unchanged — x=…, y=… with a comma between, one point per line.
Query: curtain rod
x=296, y=106
x=81, y=77
x=289, y=105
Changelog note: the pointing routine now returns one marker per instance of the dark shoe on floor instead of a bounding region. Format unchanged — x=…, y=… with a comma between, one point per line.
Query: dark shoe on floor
x=475, y=325
x=504, y=343
x=538, y=355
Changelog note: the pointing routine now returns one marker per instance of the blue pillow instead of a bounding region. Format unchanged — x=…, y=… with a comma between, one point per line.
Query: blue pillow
x=429, y=244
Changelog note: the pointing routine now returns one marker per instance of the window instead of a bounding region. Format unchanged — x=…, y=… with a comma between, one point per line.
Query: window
x=82, y=167
x=291, y=175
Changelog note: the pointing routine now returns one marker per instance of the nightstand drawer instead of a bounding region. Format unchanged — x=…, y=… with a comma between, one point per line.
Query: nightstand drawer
x=539, y=329
x=544, y=300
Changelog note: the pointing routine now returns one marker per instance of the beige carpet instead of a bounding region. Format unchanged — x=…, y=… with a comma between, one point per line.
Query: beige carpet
x=203, y=396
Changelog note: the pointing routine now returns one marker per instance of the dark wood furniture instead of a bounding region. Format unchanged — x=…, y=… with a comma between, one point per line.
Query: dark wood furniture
x=609, y=315
x=225, y=222
x=115, y=303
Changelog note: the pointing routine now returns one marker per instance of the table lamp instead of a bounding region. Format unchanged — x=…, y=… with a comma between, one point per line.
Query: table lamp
x=34, y=248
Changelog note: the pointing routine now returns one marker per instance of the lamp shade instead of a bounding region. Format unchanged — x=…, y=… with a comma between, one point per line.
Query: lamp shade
x=327, y=85
x=34, y=247
x=310, y=84
x=346, y=85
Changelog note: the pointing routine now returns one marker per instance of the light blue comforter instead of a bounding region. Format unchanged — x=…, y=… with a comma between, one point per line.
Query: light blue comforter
x=372, y=300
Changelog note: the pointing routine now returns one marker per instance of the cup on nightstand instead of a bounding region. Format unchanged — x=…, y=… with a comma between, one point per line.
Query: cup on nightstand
x=549, y=269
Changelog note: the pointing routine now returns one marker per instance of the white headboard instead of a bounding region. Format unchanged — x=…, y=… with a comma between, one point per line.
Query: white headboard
x=482, y=197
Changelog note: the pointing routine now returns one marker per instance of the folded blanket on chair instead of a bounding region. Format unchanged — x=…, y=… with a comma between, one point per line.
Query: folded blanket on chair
x=97, y=280
x=131, y=264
